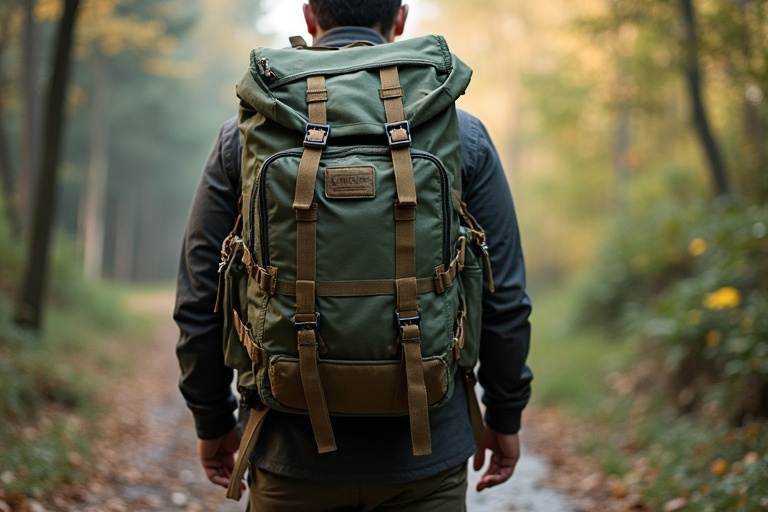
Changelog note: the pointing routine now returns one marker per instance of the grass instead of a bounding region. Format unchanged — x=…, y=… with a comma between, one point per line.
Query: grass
x=49, y=385
x=570, y=365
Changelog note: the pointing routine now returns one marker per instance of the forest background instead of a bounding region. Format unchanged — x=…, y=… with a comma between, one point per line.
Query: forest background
x=634, y=138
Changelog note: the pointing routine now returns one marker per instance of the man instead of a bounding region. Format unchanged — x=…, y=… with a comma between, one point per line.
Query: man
x=373, y=468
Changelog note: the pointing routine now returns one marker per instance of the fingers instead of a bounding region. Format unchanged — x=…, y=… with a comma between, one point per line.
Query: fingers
x=494, y=476
x=479, y=460
x=218, y=475
x=504, y=457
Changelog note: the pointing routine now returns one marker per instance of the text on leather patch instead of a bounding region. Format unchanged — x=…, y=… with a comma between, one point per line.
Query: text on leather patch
x=350, y=182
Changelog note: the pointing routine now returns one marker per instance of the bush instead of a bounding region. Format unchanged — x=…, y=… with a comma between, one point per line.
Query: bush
x=694, y=282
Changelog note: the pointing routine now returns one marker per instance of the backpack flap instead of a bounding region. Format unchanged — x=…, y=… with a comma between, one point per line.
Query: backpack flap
x=275, y=85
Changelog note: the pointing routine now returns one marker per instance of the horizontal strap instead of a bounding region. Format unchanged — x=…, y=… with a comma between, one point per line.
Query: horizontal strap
x=315, y=95
x=439, y=283
x=265, y=278
x=391, y=92
x=356, y=288
x=444, y=278
x=256, y=353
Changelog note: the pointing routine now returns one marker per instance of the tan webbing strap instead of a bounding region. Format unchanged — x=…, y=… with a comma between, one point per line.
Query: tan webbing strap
x=398, y=132
x=406, y=285
x=306, y=317
x=410, y=343
x=247, y=442
x=475, y=415
x=314, y=142
x=366, y=288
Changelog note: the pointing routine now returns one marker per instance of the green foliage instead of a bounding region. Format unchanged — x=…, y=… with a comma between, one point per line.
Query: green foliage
x=715, y=466
x=694, y=280
x=40, y=441
x=570, y=364
x=48, y=383
x=707, y=463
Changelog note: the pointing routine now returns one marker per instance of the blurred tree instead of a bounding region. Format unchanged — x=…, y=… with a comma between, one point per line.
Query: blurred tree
x=29, y=156
x=724, y=41
x=29, y=304
x=537, y=86
x=6, y=163
x=694, y=79
x=112, y=28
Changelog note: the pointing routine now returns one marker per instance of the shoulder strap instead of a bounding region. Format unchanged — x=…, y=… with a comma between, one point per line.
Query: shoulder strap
x=297, y=42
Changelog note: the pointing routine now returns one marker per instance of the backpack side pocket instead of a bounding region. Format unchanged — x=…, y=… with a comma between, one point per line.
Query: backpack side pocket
x=471, y=282
x=236, y=324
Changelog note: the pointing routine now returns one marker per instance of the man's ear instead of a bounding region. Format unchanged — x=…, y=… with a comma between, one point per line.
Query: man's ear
x=402, y=15
x=309, y=18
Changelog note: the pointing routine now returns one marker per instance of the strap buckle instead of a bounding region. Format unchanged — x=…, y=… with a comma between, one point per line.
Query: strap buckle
x=406, y=321
x=316, y=135
x=398, y=133
x=307, y=326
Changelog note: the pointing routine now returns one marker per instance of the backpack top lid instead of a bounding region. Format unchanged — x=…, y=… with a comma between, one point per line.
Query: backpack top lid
x=432, y=78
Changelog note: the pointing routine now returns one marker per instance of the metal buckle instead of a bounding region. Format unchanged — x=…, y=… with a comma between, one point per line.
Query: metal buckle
x=312, y=127
x=407, y=320
x=389, y=128
x=307, y=326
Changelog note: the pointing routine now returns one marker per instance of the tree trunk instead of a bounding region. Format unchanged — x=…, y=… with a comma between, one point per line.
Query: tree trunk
x=95, y=194
x=700, y=118
x=33, y=284
x=6, y=174
x=125, y=239
x=6, y=164
x=621, y=152
x=29, y=158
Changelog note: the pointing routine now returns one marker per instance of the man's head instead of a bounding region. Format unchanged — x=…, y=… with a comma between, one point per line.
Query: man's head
x=385, y=16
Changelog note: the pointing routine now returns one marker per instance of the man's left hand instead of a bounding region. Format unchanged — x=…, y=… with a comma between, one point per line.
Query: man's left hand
x=217, y=456
x=505, y=450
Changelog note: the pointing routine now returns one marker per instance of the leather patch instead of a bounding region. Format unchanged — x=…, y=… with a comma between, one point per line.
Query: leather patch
x=350, y=183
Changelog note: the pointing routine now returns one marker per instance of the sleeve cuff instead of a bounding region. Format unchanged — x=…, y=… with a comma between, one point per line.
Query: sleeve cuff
x=504, y=422
x=212, y=428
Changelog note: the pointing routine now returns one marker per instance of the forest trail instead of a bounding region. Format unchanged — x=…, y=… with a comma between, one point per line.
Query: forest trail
x=146, y=456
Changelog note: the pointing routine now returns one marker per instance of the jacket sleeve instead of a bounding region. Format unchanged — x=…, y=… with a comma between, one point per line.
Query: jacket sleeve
x=205, y=381
x=505, y=336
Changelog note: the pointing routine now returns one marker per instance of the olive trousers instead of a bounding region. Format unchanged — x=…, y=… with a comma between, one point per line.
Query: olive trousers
x=444, y=492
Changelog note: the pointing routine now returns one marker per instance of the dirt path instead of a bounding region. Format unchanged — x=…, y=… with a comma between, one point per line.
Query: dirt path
x=146, y=458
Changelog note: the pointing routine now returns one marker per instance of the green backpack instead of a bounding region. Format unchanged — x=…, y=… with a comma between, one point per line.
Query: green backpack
x=353, y=279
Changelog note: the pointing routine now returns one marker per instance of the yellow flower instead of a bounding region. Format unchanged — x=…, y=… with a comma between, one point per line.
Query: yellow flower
x=712, y=338
x=726, y=297
x=718, y=467
x=697, y=247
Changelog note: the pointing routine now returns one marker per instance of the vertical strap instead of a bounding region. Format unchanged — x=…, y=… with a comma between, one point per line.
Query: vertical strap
x=247, y=442
x=399, y=135
x=407, y=311
x=315, y=140
x=306, y=317
x=475, y=415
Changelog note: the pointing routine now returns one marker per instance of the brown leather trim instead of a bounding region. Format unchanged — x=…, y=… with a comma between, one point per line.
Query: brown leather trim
x=358, y=389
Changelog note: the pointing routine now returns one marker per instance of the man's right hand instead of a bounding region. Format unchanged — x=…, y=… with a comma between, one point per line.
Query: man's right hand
x=217, y=457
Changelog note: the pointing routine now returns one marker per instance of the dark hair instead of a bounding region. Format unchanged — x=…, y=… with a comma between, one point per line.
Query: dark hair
x=376, y=14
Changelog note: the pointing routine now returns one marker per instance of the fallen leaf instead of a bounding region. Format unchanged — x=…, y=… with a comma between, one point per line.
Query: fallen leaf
x=675, y=504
